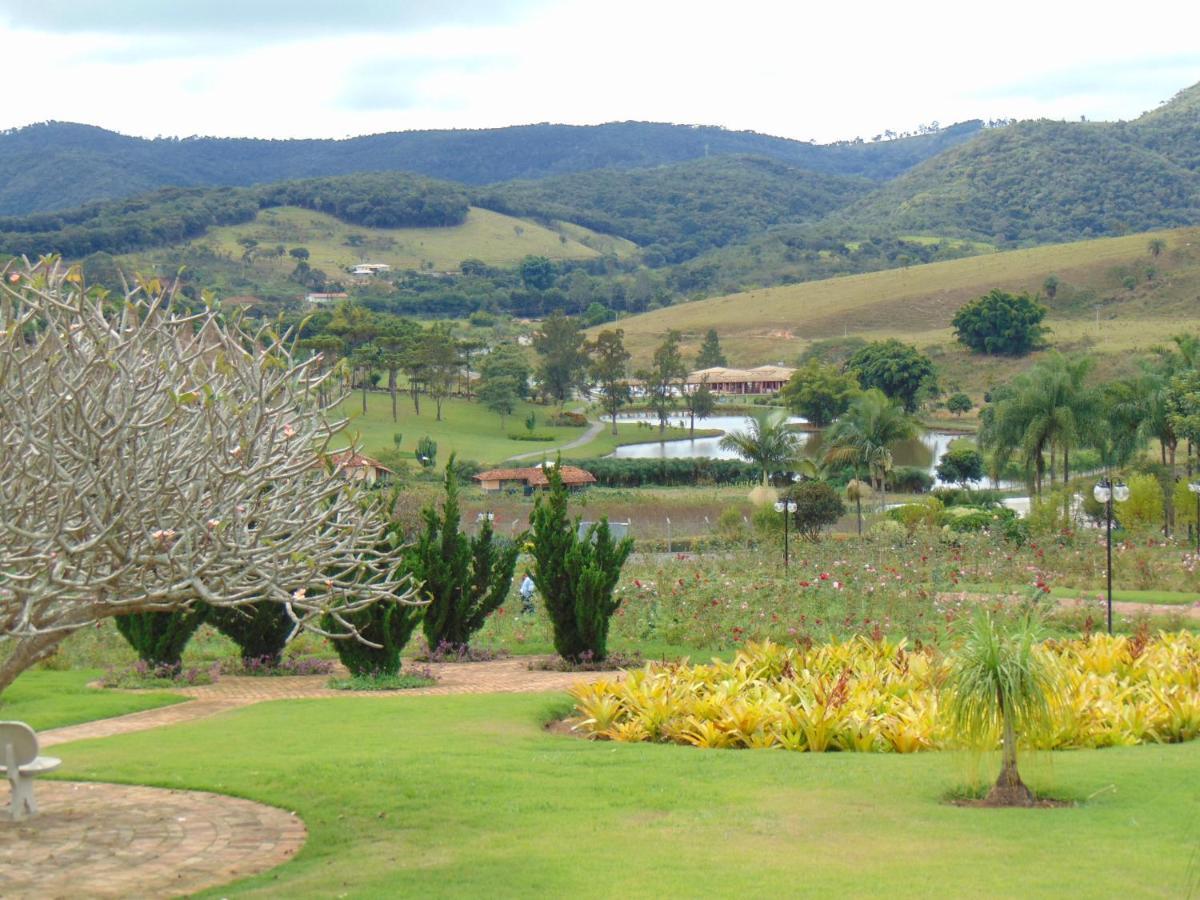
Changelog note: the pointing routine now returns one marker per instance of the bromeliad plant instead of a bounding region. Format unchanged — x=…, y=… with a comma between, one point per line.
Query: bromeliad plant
x=875, y=695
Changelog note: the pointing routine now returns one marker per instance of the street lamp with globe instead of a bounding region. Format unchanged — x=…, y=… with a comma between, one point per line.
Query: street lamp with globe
x=1106, y=492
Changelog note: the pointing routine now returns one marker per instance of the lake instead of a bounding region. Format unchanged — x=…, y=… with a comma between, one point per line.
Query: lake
x=923, y=452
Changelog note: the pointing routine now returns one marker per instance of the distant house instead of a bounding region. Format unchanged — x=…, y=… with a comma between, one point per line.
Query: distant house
x=723, y=380
x=321, y=299
x=532, y=478
x=356, y=467
x=370, y=269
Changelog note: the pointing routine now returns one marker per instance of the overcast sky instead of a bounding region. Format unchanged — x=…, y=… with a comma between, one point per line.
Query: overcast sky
x=303, y=68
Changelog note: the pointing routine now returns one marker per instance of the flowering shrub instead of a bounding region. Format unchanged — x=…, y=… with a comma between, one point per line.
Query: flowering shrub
x=874, y=695
x=270, y=665
x=146, y=675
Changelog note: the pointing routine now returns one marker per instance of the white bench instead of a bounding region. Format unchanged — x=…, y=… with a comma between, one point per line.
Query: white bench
x=21, y=763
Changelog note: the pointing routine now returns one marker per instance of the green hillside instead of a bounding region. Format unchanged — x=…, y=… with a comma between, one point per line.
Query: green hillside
x=335, y=245
x=677, y=212
x=1138, y=299
x=1036, y=182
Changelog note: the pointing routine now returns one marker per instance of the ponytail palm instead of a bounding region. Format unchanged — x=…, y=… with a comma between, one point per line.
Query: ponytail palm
x=768, y=443
x=1001, y=677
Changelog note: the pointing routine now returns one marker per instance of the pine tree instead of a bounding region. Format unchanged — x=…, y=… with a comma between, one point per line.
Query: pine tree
x=710, y=352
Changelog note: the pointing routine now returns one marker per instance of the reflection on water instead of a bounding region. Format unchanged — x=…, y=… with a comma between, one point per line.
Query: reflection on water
x=923, y=451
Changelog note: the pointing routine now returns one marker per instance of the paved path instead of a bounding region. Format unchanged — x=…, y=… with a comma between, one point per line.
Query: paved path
x=114, y=840
x=501, y=676
x=111, y=840
x=586, y=438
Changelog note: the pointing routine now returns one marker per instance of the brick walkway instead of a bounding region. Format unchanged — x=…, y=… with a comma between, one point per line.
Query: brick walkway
x=111, y=840
x=502, y=676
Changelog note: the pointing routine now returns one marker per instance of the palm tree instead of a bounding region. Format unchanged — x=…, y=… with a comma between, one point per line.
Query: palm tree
x=865, y=434
x=1001, y=676
x=1046, y=410
x=767, y=442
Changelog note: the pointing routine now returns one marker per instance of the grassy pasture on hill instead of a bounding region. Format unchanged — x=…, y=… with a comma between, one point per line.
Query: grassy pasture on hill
x=916, y=304
x=494, y=238
x=467, y=795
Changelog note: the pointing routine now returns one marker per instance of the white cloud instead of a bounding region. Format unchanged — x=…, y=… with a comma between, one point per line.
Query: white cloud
x=784, y=68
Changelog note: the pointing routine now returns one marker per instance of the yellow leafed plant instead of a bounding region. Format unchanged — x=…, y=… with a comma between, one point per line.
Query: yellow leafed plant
x=879, y=696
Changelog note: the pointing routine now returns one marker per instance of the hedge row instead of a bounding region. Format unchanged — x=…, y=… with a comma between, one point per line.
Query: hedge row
x=668, y=472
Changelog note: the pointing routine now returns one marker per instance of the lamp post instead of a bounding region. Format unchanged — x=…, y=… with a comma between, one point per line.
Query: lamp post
x=785, y=506
x=1105, y=492
x=1194, y=487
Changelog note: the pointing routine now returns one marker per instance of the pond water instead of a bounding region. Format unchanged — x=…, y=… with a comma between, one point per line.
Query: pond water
x=923, y=451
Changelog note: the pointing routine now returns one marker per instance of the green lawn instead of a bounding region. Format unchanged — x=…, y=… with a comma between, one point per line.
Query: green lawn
x=468, y=796
x=473, y=432
x=44, y=699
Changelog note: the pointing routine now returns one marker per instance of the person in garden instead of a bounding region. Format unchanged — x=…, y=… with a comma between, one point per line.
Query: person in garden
x=527, y=589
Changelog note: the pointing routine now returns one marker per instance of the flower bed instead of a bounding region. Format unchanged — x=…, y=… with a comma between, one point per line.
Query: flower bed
x=873, y=695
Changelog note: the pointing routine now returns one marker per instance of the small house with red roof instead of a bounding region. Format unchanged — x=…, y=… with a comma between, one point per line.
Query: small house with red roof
x=532, y=478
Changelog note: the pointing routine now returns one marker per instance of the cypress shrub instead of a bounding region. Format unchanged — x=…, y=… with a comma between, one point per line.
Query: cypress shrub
x=159, y=638
x=465, y=579
x=387, y=623
x=575, y=576
x=261, y=630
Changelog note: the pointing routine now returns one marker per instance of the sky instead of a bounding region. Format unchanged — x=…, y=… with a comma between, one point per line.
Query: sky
x=303, y=68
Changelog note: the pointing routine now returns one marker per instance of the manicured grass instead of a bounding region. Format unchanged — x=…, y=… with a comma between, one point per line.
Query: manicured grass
x=1182, y=598
x=468, y=796
x=489, y=236
x=472, y=431
x=44, y=699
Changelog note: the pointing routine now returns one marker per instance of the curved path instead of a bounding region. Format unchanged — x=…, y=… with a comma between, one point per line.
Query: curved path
x=112, y=840
x=586, y=438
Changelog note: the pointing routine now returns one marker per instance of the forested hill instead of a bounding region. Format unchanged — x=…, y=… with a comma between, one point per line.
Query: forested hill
x=171, y=215
x=60, y=165
x=1038, y=182
x=677, y=212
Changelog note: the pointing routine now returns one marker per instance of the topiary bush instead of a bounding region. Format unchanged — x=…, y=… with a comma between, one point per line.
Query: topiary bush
x=465, y=579
x=576, y=576
x=261, y=630
x=386, y=623
x=159, y=638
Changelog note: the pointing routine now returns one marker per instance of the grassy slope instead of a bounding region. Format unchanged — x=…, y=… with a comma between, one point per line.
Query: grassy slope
x=44, y=699
x=486, y=235
x=473, y=432
x=467, y=795
x=916, y=304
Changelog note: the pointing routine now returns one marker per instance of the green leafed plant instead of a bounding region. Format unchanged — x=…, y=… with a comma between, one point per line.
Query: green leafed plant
x=159, y=638
x=576, y=575
x=465, y=579
x=1002, y=678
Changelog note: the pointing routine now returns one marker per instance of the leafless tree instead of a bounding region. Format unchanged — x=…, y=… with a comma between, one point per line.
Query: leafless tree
x=151, y=459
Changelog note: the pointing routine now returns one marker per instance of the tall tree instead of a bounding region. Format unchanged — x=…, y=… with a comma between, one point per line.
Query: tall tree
x=710, y=352
x=1048, y=410
x=564, y=362
x=700, y=403
x=507, y=360
x=865, y=435
x=899, y=370
x=610, y=371
x=152, y=461
x=1000, y=323
x=443, y=361
x=664, y=379
x=499, y=394
x=819, y=392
